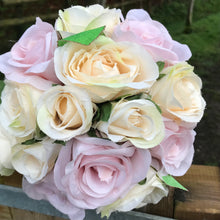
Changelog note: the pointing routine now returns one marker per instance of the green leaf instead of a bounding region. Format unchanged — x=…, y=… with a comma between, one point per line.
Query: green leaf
x=142, y=182
x=30, y=141
x=54, y=84
x=105, y=109
x=157, y=106
x=85, y=37
x=97, y=115
x=2, y=76
x=170, y=181
x=133, y=97
x=92, y=132
x=160, y=65
x=161, y=76
x=2, y=85
x=39, y=134
x=60, y=142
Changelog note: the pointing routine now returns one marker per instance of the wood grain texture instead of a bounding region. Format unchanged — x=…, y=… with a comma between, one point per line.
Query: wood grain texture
x=5, y=213
x=18, y=214
x=202, y=201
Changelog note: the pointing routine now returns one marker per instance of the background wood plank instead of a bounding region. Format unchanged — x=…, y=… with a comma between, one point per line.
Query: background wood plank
x=164, y=208
x=18, y=214
x=202, y=202
x=5, y=213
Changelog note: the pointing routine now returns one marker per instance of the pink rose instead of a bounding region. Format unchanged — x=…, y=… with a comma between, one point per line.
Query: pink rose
x=47, y=190
x=31, y=58
x=176, y=150
x=138, y=27
x=94, y=172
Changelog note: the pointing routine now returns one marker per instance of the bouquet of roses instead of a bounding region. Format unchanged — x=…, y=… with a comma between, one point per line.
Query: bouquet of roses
x=98, y=112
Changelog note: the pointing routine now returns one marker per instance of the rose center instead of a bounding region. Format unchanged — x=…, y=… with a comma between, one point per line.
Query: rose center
x=67, y=114
x=105, y=174
x=135, y=118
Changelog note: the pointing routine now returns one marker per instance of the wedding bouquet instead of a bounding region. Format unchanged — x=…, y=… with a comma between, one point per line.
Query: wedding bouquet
x=98, y=112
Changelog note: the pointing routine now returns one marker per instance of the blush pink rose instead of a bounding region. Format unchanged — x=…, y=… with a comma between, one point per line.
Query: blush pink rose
x=138, y=27
x=46, y=190
x=31, y=58
x=175, y=152
x=94, y=172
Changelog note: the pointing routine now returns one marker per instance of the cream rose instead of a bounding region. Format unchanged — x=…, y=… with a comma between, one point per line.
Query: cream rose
x=178, y=94
x=36, y=160
x=152, y=191
x=64, y=112
x=138, y=121
x=105, y=68
x=78, y=18
x=18, y=108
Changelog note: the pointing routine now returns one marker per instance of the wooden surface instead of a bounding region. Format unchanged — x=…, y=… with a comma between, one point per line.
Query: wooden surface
x=7, y=213
x=164, y=208
x=201, y=202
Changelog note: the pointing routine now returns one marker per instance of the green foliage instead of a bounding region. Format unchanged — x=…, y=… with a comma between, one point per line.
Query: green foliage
x=2, y=85
x=85, y=37
x=170, y=181
x=160, y=65
x=142, y=182
x=104, y=111
x=59, y=142
x=30, y=141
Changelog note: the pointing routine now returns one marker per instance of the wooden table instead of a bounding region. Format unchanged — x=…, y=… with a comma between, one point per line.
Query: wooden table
x=201, y=202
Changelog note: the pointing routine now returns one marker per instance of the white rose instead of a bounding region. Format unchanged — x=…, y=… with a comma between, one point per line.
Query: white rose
x=36, y=160
x=138, y=121
x=18, y=108
x=105, y=68
x=178, y=94
x=78, y=18
x=152, y=191
x=64, y=112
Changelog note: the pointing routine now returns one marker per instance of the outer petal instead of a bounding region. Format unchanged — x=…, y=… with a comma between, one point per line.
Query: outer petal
x=47, y=190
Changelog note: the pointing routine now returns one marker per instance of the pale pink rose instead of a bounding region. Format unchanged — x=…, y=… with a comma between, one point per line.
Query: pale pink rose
x=138, y=27
x=46, y=190
x=31, y=58
x=94, y=172
x=175, y=152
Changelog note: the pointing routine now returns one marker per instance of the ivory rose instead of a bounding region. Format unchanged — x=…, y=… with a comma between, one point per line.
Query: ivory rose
x=105, y=68
x=175, y=152
x=64, y=112
x=95, y=172
x=31, y=58
x=47, y=190
x=178, y=94
x=78, y=18
x=138, y=27
x=18, y=108
x=36, y=160
x=152, y=191
x=138, y=121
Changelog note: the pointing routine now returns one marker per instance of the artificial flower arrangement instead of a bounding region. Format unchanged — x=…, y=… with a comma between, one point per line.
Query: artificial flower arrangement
x=98, y=112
